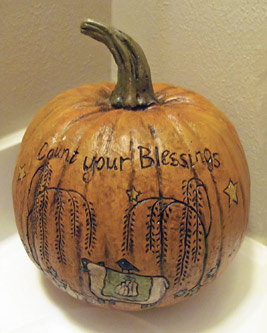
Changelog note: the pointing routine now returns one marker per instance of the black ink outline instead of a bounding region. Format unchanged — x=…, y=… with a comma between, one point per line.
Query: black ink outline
x=37, y=208
x=191, y=232
x=113, y=299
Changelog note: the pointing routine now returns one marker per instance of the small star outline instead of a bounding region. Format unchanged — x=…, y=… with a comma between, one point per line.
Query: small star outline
x=133, y=194
x=22, y=173
x=231, y=192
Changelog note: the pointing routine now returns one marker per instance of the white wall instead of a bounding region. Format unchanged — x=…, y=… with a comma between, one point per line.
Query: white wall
x=219, y=49
x=43, y=53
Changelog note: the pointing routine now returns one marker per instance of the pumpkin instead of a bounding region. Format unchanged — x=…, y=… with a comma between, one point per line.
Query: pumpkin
x=134, y=195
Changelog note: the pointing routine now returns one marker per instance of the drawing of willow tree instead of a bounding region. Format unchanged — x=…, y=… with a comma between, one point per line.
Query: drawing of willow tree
x=56, y=216
x=190, y=218
x=194, y=228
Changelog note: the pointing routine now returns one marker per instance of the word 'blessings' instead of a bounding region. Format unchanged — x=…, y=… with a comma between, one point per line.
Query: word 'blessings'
x=154, y=157
x=147, y=158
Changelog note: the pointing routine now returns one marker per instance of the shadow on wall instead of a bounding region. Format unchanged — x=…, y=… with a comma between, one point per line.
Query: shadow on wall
x=7, y=164
x=215, y=303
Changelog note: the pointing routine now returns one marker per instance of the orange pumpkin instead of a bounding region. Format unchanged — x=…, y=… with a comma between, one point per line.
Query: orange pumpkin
x=130, y=196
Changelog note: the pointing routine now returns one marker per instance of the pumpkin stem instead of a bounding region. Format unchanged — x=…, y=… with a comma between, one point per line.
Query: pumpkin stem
x=134, y=87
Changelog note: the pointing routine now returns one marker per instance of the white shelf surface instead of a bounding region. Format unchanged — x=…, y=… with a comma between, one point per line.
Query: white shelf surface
x=235, y=302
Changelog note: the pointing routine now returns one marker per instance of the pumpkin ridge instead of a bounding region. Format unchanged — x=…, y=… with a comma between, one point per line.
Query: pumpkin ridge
x=158, y=170
x=182, y=266
x=220, y=252
x=150, y=246
x=82, y=117
x=145, y=233
x=113, y=126
x=56, y=122
x=126, y=222
x=220, y=209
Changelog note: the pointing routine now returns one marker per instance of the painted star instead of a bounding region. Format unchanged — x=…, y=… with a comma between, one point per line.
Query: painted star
x=133, y=194
x=231, y=190
x=22, y=173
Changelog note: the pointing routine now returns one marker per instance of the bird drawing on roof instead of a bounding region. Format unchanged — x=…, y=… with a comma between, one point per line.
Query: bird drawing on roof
x=125, y=265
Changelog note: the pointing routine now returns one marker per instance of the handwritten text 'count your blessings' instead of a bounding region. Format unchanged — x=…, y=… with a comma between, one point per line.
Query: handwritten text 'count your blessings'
x=147, y=158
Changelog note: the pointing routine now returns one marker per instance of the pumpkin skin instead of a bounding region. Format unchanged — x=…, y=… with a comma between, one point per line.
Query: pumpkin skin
x=131, y=208
x=80, y=120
